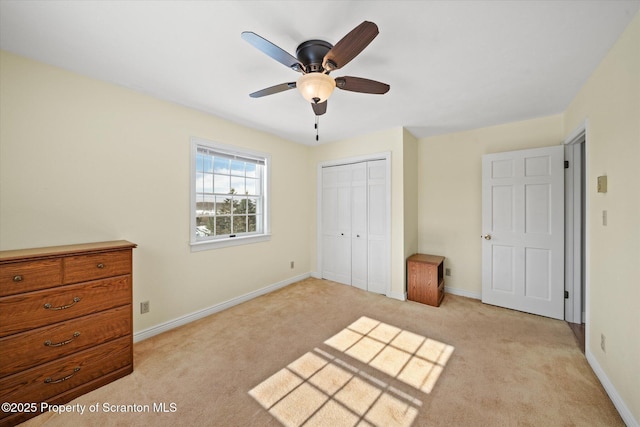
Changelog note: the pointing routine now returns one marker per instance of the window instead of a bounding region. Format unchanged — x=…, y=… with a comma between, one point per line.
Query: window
x=228, y=195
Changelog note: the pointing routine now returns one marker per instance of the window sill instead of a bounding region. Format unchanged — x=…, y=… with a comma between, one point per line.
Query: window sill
x=232, y=241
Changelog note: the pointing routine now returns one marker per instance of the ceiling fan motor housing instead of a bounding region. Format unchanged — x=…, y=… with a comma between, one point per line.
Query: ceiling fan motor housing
x=311, y=53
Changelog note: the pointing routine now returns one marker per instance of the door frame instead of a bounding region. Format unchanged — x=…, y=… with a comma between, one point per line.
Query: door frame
x=576, y=230
x=385, y=155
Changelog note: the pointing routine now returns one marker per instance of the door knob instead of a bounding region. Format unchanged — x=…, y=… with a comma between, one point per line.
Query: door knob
x=486, y=237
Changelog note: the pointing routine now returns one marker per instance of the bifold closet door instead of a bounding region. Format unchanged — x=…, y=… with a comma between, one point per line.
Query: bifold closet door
x=355, y=246
x=377, y=241
x=336, y=223
x=359, y=226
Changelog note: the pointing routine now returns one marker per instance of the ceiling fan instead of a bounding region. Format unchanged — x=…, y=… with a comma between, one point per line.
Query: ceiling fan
x=315, y=59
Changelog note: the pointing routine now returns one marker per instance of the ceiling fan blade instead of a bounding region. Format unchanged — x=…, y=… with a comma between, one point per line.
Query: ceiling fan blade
x=273, y=89
x=350, y=46
x=320, y=108
x=273, y=51
x=358, y=84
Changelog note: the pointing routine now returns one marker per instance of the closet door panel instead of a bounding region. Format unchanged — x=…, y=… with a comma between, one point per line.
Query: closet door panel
x=336, y=221
x=329, y=222
x=344, y=199
x=378, y=267
x=378, y=249
x=359, y=265
x=343, y=242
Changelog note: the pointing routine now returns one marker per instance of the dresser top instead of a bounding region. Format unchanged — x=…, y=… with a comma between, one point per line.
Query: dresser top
x=65, y=250
x=427, y=259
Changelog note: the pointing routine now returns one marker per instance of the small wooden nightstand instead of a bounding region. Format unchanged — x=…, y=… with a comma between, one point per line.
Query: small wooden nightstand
x=425, y=279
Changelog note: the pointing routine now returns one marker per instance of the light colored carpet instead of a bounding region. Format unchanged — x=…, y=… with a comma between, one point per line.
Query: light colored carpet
x=321, y=353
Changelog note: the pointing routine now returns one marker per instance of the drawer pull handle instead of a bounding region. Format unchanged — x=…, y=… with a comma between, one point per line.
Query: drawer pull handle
x=48, y=343
x=48, y=306
x=17, y=278
x=101, y=265
x=49, y=380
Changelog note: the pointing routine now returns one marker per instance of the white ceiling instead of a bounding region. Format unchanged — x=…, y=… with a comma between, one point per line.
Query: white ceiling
x=452, y=65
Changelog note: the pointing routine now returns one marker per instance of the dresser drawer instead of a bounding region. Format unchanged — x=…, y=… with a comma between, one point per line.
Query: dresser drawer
x=96, y=266
x=25, y=350
x=53, y=378
x=30, y=276
x=19, y=313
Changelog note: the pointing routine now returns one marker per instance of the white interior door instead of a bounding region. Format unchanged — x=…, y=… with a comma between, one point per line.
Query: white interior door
x=523, y=230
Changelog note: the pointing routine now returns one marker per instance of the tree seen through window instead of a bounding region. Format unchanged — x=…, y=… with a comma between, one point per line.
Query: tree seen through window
x=228, y=195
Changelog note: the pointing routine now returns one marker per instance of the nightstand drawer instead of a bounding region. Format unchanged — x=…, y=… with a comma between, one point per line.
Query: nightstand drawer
x=28, y=276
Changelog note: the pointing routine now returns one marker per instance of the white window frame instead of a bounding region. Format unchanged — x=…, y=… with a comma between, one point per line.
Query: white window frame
x=214, y=243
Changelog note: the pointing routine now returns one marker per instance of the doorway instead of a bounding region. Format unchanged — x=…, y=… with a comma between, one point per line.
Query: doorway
x=575, y=233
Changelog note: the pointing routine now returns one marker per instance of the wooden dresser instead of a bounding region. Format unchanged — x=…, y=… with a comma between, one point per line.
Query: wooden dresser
x=65, y=323
x=425, y=279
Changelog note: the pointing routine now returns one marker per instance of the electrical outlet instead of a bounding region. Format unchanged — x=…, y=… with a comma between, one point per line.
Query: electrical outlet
x=603, y=343
x=292, y=264
x=144, y=307
x=447, y=272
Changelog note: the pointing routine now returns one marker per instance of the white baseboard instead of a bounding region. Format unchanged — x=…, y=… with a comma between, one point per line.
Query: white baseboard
x=183, y=320
x=462, y=292
x=622, y=408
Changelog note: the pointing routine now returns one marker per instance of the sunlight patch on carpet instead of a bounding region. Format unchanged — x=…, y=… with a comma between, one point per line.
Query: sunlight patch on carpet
x=411, y=358
x=320, y=389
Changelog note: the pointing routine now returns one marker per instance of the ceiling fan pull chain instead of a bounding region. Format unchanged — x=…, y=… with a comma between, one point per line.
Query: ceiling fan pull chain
x=316, y=126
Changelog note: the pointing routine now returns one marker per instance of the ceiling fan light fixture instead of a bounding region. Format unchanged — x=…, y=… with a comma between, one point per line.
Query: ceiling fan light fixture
x=316, y=87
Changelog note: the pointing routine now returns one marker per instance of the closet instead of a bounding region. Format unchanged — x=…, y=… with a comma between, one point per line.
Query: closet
x=355, y=224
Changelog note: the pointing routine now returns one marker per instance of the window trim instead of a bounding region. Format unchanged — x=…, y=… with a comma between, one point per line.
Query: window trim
x=197, y=245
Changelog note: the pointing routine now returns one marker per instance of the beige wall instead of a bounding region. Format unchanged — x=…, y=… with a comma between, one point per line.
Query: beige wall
x=82, y=160
x=610, y=103
x=450, y=190
x=410, y=171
